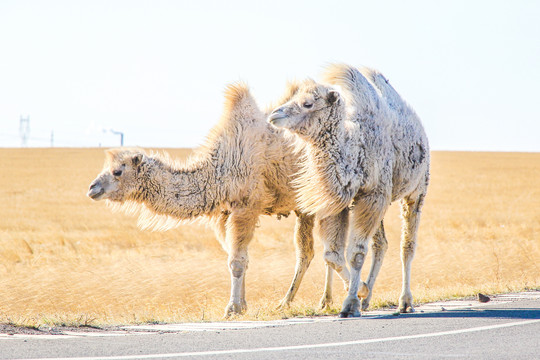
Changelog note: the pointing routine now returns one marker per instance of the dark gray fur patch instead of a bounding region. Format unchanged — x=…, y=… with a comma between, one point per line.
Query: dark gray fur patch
x=417, y=154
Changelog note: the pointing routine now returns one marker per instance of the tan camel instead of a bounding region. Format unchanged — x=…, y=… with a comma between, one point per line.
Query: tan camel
x=243, y=171
x=364, y=148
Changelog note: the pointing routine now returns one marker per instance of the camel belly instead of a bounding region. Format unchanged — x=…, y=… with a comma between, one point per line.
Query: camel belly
x=281, y=205
x=406, y=180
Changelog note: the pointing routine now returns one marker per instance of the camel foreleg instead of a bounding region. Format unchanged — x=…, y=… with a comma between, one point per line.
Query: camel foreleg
x=239, y=232
x=333, y=233
x=368, y=212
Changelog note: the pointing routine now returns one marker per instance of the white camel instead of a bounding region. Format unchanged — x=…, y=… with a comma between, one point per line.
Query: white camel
x=364, y=148
x=243, y=171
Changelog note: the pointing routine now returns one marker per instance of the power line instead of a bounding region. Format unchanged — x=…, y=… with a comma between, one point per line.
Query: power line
x=55, y=138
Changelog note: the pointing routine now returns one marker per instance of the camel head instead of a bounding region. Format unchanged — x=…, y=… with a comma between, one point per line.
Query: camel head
x=309, y=101
x=118, y=180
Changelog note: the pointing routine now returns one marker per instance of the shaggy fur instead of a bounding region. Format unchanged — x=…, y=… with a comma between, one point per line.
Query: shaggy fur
x=364, y=148
x=243, y=170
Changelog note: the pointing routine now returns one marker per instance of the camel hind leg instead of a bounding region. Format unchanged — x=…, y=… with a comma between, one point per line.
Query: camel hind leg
x=410, y=212
x=303, y=241
x=220, y=229
x=379, y=246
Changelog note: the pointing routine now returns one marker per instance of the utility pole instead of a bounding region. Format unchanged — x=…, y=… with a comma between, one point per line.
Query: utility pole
x=121, y=136
x=24, y=130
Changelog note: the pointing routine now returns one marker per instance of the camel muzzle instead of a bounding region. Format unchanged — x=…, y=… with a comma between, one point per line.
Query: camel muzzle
x=95, y=191
x=277, y=117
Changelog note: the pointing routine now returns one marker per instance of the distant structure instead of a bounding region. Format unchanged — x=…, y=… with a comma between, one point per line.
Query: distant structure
x=24, y=130
x=121, y=136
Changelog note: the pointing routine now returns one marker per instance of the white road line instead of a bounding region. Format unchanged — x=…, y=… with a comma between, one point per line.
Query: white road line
x=300, y=347
x=239, y=325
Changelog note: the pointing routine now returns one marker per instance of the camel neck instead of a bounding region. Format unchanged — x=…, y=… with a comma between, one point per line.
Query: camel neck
x=182, y=193
x=333, y=164
x=337, y=149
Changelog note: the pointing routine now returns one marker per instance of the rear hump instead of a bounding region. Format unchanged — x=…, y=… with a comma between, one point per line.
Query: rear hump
x=387, y=91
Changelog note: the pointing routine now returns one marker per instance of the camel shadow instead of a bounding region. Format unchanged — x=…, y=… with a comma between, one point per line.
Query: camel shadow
x=515, y=313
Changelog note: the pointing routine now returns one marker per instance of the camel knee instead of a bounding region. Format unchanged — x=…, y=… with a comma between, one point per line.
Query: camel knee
x=379, y=246
x=408, y=248
x=306, y=255
x=335, y=260
x=237, y=268
x=357, y=256
x=356, y=261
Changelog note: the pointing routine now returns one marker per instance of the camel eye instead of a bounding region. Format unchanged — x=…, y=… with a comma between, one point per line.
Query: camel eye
x=117, y=173
x=307, y=105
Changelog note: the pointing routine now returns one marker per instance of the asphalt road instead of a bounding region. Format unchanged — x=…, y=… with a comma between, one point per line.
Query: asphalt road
x=506, y=328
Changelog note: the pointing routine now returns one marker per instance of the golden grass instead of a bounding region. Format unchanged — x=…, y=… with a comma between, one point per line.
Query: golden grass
x=65, y=259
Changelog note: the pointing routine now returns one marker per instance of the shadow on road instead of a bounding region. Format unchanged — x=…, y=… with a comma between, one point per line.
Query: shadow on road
x=517, y=313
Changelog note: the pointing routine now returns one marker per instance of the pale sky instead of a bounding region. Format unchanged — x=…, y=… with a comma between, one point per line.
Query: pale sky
x=156, y=70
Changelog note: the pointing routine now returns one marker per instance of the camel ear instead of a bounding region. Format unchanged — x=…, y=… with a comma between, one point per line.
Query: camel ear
x=136, y=160
x=332, y=96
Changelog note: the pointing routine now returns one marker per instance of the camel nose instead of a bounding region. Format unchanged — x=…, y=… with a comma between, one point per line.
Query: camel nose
x=276, y=115
x=95, y=190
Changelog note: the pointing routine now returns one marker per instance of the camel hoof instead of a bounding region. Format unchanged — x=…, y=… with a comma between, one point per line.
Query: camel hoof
x=235, y=309
x=325, y=303
x=406, y=309
x=365, y=304
x=363, y=290
x=405, y=303
x=345, y=315
x=350, y=308
x=283, y=305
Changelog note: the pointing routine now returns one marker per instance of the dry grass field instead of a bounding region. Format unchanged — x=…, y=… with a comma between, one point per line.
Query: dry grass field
x=65, y=259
